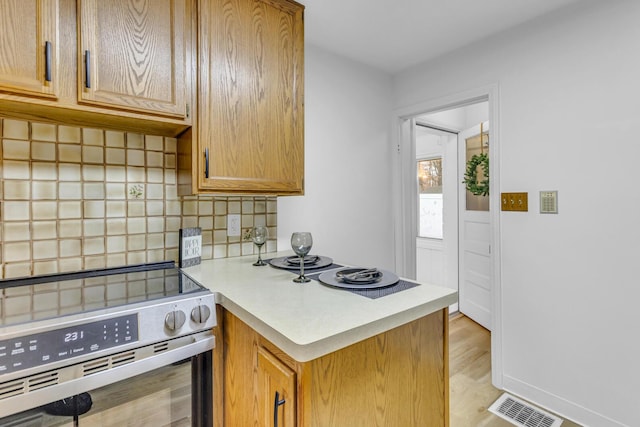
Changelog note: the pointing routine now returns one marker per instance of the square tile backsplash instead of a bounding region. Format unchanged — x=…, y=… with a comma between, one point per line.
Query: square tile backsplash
x=79, y=198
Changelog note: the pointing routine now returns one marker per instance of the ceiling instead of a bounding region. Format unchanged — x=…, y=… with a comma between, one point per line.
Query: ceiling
x=392, y=35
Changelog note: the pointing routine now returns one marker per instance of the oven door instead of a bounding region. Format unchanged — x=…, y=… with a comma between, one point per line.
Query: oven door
x=179, y=394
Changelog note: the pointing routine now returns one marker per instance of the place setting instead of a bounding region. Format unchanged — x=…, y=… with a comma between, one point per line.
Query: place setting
x=358, y=278
x=370, y=282
x=301, y=243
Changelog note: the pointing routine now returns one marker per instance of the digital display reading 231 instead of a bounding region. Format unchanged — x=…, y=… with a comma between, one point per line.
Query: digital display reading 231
x=47, y=347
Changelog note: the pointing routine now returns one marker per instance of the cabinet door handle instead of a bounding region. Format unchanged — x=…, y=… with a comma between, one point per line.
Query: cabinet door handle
x=276, y=403
x=206, y=163
x=87, y=69
x=47, y=61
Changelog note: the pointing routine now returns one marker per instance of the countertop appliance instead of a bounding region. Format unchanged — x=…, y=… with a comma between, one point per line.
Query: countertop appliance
x=64, y=335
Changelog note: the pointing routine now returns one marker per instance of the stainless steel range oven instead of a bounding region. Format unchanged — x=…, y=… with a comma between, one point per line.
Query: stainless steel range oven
x=111, y=347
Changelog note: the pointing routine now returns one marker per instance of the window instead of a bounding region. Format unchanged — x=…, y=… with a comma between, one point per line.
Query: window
x=430, y=198
x=474, y=146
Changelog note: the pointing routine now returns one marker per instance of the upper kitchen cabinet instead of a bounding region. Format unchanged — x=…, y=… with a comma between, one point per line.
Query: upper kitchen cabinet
x=28, y=47
x=117, y=64
x=249, y=136
x=132, y=54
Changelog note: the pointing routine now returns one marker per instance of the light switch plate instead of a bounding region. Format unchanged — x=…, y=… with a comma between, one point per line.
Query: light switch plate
x=515, y=202
x=549, y=202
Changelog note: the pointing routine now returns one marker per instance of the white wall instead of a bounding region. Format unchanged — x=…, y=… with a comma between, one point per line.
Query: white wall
x=347, y=168
x=569, y=115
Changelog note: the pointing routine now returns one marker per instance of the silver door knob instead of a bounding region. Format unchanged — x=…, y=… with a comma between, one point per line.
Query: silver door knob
x=174, y=320
x=200, y=314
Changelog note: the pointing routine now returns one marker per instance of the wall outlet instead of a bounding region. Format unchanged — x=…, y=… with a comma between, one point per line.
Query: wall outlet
x=233, y=225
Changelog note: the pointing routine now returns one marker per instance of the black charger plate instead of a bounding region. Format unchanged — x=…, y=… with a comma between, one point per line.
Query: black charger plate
x=329, y=278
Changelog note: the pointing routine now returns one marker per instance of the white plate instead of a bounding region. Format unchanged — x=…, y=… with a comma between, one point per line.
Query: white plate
x=294, y=260
x=329, y=278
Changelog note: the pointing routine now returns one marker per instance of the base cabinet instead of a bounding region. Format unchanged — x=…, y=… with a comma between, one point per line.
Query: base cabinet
x=397, y=378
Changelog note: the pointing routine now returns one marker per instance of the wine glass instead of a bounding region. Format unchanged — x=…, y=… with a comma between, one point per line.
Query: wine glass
x=301, y=244
x=259, y=235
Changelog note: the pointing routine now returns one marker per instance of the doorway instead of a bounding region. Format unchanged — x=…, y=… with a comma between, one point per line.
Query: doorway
x=406, y=205
x=453, y=238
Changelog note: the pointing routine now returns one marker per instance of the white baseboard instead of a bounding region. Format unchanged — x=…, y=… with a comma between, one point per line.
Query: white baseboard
x=562, y=407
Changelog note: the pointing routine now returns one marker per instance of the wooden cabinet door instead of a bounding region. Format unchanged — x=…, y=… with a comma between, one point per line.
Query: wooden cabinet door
x=132, y=55
x=251, y=133
x=28, y=47
x=276, y=392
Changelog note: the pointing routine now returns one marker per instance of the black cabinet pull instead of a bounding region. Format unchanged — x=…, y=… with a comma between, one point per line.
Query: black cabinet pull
x=206, y=163
x=277, y=402
x=87, y=69
x=47, y=61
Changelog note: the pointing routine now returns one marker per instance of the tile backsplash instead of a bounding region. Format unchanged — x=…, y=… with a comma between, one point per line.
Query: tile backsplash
x=80, y=198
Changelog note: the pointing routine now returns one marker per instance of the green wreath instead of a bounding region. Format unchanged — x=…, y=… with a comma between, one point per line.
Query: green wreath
x=471, y=175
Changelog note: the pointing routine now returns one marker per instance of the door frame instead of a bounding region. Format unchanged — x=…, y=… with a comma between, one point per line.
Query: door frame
x=404, y=197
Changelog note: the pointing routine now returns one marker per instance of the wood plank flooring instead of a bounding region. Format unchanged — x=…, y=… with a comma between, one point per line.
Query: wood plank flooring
x=470, y=376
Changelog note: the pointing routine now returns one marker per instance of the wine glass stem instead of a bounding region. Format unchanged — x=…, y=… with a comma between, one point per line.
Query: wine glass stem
x=259, y=250
x=302, y=267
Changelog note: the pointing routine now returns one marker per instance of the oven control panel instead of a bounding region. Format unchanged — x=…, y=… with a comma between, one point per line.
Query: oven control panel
x=51, y=346
x=77, y=339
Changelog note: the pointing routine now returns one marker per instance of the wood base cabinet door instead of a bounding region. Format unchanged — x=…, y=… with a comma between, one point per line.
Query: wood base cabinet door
x=276, y=392
x=132, y=55
x=29, y=47
x=251, y=124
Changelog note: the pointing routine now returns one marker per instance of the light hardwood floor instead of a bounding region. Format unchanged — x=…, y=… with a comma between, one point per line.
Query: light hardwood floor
x=470, y=376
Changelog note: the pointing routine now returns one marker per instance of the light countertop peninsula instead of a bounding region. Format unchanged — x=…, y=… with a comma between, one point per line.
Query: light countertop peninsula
x=310, y=320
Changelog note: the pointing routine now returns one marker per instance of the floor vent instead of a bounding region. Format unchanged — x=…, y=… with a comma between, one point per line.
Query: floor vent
x=521, y=413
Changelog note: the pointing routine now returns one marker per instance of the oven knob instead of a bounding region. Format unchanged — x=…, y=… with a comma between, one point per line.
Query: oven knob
x=174, y=320
x=200, y=314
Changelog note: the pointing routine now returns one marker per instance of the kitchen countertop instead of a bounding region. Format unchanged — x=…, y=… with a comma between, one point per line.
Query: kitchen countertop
x=310, y=320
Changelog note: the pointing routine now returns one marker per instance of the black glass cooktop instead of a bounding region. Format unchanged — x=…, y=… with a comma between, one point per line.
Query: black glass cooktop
x=41, y=297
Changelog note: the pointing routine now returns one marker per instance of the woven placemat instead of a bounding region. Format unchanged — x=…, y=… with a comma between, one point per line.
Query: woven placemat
x=368, y=293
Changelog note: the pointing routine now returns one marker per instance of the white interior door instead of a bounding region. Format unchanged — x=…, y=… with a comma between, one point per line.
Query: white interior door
x=475, y=279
